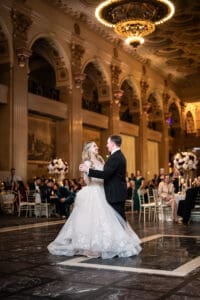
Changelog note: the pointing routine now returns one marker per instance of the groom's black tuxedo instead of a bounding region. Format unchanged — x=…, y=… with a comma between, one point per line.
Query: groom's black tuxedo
x=114, y=175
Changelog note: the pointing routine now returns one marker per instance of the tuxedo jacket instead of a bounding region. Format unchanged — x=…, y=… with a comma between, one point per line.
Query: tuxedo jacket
x=114, y=175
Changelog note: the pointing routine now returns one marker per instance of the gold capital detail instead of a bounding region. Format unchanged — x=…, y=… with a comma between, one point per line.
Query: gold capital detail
x=115, y=72
x=21, y=24
x=77, y=52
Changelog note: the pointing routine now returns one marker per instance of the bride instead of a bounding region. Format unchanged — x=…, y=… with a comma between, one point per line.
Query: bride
x=94, y=228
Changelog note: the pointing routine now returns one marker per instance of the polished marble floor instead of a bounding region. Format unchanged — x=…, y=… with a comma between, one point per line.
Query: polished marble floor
x=167, y=268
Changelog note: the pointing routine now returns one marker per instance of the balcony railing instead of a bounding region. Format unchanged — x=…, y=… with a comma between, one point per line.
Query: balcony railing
x=38, y=89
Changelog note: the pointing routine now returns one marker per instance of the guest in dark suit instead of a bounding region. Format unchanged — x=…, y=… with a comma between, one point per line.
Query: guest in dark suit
x=114, y=175
x=35, y=186
x=185, y=206
x=65, y=200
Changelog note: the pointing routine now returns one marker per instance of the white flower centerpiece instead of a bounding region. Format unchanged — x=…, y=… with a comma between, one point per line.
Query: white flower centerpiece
x=58, y=168
x=187, y=163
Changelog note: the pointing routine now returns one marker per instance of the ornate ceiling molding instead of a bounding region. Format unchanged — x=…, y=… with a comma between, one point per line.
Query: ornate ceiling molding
x=175, y=41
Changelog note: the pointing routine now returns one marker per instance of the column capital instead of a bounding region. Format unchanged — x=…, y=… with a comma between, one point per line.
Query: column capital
x=77, y=52
x=21, y=24
x=144, y=86
x=22, y=56
x=166, y=98
x=115, y=72
x=78, y=79
x=117, y=95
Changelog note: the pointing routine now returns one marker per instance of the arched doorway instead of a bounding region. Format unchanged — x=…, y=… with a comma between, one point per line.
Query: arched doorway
x=46, y=128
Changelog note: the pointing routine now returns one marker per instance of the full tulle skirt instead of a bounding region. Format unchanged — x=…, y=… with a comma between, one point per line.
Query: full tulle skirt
x=95, y=229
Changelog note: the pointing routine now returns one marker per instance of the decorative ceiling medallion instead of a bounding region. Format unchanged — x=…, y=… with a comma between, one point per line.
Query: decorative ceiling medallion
x=134, y=19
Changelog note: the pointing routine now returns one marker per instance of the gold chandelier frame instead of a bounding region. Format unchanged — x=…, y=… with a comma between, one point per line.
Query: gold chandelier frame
x=134, y=19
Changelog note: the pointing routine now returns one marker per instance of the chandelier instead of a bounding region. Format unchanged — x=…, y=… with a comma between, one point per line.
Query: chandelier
x=134, y=19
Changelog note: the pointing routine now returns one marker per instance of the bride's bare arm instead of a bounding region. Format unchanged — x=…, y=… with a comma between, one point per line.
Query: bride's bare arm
x=86, y=178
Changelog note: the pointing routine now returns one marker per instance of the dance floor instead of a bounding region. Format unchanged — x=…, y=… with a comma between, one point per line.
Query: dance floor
x=167, y=268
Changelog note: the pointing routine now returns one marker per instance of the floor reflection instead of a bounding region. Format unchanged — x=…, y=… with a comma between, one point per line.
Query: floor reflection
x=167, y=268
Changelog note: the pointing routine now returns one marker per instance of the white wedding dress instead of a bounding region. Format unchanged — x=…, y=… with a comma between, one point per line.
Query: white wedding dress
x=94, y=228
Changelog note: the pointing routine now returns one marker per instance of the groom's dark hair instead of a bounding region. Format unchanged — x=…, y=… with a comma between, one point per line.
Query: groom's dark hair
x=116, y=139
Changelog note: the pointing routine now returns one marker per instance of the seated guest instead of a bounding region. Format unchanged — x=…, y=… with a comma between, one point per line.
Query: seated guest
x=185, y=206
x=166, y=194
x=74, y=185
x=12, y=178
x=21, y=188
x=65, y=200
x=130, y=189
x=161, y=176
x=35, y=186
x=46, y=191
x=175, y=181
x=81, y=181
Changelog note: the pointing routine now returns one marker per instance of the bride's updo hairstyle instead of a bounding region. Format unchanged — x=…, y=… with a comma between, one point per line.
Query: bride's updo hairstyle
x=86, y=154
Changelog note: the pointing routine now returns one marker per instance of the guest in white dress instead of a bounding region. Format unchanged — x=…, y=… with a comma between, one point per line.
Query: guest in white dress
x=166, y=193
x=94, y=228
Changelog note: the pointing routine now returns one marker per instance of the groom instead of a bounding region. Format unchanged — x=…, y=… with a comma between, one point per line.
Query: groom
x=114, y=175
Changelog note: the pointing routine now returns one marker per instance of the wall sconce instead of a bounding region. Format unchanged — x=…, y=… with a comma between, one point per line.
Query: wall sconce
x=117, y=95
x=22, y=55
x=78, y=79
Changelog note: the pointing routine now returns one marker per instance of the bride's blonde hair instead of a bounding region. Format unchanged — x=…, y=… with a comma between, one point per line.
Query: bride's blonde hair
x=86, y=154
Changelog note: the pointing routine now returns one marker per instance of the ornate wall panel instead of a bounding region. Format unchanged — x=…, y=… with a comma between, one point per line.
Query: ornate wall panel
x=153, y=164
x=41, y=138
x=128, y=148
x=92, y=134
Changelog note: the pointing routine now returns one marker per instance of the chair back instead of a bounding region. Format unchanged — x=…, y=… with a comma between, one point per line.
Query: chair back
x=141, y=197
x=30, y=195
x=151, y=195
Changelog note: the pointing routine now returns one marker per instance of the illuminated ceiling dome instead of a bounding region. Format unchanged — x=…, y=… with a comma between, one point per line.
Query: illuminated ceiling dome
x=134, y=19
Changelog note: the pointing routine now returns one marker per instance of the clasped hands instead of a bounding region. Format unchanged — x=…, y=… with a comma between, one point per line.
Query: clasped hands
x=83, y=168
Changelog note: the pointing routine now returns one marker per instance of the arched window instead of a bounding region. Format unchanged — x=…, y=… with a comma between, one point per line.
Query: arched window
x=129, y=109
x=90, y=97
x=42, y=78
x=190, y=128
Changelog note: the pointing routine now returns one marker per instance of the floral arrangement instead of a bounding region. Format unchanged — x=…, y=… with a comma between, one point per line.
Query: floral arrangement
x=58, y=166
x=185, y=161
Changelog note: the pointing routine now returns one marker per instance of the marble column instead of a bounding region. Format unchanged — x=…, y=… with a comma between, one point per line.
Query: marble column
x=62, y=135
x=164, y=151
x=75, y=130
x=143, y=154
x=114, y=117
x=19, y=90
x=182, y=125
x=19, y=120
x=75, y=109
x=164, y=148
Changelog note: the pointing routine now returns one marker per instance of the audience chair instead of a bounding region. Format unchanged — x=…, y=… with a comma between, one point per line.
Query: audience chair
x=162, y=209
x=145, y=208
x=33, y=205
x=7, y=202
x=129, y=203
x=23, y=206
